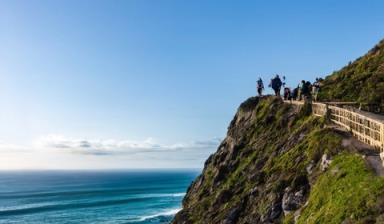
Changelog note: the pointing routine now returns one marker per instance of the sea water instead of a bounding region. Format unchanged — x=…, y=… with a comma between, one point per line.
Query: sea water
x=137, y=197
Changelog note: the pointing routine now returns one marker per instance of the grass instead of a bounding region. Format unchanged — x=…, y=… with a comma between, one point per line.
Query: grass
x=347, y=191
x=276, y=146
x=361, y=81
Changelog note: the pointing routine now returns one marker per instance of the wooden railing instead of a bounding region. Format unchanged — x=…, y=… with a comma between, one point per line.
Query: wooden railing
x=366, y=127
x=319, y=109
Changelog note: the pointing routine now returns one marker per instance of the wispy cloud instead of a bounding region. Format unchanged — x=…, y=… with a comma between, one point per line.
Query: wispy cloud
x=61, y=152
x=112, y=146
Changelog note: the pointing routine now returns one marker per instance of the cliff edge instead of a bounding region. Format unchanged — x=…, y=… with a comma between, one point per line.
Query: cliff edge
x=280, y=164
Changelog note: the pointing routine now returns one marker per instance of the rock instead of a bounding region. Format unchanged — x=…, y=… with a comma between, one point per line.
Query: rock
x=254, y=191
x=181, y=218
x=273, y=213
x=325, y=162
x=232, y=216
x=224, y=196
x=257, y=178
x=276, y=211
x=382, y=157
x=221, y=174
x=292, y=200
x=301, y=137
x=249, y=165
x=310, y=167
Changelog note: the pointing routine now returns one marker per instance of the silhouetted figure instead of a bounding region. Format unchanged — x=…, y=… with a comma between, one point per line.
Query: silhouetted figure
x=315, y=89
x=276, y=85
x=300, y=90
x=287, y=93
x=260, y=87
x=295, y=93
x=305, y=90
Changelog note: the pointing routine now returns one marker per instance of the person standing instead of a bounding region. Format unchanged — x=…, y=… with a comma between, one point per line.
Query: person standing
x=260, y=87
x=287, y=93
x=315, y=89
x=305, y=90
x=300, y=88
x=276, y=85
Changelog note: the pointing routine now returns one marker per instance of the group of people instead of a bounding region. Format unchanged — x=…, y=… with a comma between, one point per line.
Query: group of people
x=275, y=84
x=305, y=90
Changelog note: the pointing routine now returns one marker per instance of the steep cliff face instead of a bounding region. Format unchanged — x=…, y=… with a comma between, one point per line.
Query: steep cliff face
x=279, y=164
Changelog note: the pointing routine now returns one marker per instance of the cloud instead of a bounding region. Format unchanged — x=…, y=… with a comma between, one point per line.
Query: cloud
x=118, y=147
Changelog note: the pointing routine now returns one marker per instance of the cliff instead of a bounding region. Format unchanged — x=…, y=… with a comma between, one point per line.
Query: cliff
x=280, y=164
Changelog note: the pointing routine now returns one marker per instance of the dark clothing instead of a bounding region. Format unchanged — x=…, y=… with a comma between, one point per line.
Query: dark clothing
x=305, y=89
x=276, y=85
x=260, y=87
x=260, y=91
x=287, y=94
x=295, y=93
x=260, y=84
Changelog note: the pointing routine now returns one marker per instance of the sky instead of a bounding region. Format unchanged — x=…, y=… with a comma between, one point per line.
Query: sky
x=90, y=84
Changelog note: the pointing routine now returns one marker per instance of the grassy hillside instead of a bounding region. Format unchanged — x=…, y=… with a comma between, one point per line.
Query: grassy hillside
x=269, y=169
x=348, y=192
x=361, y=80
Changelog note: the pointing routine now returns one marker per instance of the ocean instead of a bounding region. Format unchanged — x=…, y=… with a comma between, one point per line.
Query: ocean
x=111, y=197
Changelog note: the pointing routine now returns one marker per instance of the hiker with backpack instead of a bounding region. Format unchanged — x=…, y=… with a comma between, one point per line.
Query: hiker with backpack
x=260, y=87
x=276, y=85
x=305, y=90
x=295, y=93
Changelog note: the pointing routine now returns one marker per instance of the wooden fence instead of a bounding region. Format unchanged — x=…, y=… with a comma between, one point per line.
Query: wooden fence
x=366, y=127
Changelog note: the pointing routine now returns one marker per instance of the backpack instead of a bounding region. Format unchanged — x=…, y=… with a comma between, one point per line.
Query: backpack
x=276, y=83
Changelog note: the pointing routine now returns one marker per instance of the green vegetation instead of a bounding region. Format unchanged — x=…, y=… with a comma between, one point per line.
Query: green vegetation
x=362, y=80
x=268, y=149
x=269, y=168
x=347, y=191
x=315, y=144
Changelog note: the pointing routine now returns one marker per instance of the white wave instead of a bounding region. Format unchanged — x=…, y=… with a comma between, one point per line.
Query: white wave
x=182, y=194
x=25, y=206
x=160, y=195
x=164, y=213
x=169, y=212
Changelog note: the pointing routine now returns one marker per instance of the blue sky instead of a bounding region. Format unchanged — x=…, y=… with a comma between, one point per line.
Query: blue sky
x=145, y=83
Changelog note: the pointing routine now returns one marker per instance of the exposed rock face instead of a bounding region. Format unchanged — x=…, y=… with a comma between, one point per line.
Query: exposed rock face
x=293, y=200
x=325, y=162
x=265, y=168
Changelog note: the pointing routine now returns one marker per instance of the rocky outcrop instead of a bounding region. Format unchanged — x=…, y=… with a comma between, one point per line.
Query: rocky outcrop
x=266, y=167
x=325, y=162
x=293, y=200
